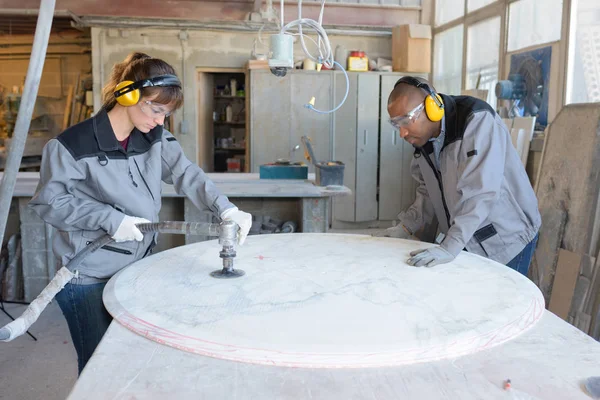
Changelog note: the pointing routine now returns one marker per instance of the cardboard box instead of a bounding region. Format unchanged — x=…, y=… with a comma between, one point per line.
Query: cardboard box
x=481, y=94
x=411, y=48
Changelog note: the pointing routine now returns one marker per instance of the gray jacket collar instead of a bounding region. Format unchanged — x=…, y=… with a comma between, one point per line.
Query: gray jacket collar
x=107, y=141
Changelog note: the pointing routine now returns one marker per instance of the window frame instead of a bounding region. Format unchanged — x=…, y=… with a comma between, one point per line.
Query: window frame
x=501, y=8
x=498, y=8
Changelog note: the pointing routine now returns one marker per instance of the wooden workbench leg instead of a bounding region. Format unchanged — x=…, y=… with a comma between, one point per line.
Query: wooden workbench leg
x=314, y=214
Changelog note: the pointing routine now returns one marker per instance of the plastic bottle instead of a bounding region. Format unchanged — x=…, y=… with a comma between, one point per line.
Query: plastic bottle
x=229, y=113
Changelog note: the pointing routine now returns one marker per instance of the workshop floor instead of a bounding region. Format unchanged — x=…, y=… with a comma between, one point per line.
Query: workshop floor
x=46, y=369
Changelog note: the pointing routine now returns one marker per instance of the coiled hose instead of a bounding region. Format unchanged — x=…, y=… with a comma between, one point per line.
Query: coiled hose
x=20, y=325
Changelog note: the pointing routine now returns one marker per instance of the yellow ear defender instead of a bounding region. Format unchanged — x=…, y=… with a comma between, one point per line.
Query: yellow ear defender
x=434, y=106
x=127, y=93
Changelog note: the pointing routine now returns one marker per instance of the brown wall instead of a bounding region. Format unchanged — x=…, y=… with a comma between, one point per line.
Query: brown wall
x=66, y=59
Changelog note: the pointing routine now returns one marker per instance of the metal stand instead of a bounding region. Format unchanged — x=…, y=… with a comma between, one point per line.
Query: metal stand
x=2, y=270
x=10, y=316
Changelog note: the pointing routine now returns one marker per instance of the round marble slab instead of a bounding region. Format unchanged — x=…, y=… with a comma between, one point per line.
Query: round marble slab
x=323, y=300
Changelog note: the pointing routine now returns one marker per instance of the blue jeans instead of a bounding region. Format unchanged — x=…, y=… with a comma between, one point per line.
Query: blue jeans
x=86, y=316
x=521, y=262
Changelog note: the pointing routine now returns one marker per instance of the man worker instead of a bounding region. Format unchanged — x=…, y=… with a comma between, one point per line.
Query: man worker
x=469, y=176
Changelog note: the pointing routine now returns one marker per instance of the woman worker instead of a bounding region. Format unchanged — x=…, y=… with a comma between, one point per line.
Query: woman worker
x=104, y=175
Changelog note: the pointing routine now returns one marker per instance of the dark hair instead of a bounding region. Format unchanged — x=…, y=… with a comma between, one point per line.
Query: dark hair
x=138, y=66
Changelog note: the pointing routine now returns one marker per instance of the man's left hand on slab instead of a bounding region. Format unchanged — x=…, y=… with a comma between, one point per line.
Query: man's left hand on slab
x=429, y=257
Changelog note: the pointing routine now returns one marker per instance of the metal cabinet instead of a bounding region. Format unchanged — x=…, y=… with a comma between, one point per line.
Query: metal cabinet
x=269, y=118
x=278, y=118
x=377, y=160
x=356, y=131
x=396, y=185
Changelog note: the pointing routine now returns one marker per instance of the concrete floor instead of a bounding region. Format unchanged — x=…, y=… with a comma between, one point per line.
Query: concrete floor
x=46, y=369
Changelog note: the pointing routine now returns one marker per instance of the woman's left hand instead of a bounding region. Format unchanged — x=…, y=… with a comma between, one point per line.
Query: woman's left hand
x=243, y=219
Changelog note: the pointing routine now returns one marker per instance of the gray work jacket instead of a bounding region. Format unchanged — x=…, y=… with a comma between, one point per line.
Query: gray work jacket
x=481, y=194
x=88, y=183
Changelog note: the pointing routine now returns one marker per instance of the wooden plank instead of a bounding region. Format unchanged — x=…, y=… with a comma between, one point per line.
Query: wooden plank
x=72, y=120
x=567, y=270
x=481, y=94
x=527, y=125
x=582, y=322
x=67, y=113
x=568, y=188
x=592, y=301
x=583, y=286
x=521, y=132
x=205, y=85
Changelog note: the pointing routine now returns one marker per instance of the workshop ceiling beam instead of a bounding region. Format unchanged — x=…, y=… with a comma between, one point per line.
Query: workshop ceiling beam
x=348, y=14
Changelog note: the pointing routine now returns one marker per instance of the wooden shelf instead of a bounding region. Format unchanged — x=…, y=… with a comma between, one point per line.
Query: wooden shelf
x=231, y=148
x=229, y=123
x=230, y=97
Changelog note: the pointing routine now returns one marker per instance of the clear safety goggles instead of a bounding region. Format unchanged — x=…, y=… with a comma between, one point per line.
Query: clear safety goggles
x=405, y=120
x=154, y=110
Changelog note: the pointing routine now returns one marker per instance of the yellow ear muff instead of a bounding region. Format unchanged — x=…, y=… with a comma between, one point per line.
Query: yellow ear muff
x=130, y=98
x=434, y=112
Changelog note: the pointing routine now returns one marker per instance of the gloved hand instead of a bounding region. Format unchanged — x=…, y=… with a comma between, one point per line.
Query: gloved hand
x=243, y=219
x=429, y=257
x=399, y=231
x=128, y=231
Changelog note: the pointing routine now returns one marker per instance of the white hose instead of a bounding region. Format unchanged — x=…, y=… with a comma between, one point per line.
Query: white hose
x=64, y=275
x=311, y=107
x=325, y=55
x=20, y=325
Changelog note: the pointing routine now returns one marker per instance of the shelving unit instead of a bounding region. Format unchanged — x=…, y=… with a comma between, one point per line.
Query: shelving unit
x=230, y=123
x=229, y=156
x=230, y=97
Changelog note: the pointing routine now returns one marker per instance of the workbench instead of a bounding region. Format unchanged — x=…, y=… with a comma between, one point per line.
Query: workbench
x=296, y=200
x=541, y=355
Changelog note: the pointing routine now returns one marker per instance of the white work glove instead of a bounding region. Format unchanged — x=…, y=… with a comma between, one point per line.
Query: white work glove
x=128, y=231
x=399, y=232
x=429, y=257
x=243, y=219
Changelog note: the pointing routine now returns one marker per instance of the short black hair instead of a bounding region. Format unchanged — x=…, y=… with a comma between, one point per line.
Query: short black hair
x=406, y=90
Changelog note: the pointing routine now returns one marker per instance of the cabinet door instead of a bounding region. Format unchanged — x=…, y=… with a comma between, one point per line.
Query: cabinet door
x=270, y=106
x=367, y=133
x=396, y=185
x=344, y=149
x=305, y=122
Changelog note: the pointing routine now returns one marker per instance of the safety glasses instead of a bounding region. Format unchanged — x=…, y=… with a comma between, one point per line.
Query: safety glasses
x=154, y=110
x=405, y=120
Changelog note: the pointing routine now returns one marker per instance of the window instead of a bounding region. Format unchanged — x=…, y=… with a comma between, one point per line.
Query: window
x=533, y=22
x=448, y=10
x=483, y=52
x=473, y=5
x=583, y=80
x=447, y=61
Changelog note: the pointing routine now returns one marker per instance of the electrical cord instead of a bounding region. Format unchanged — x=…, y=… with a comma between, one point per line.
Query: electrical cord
x=325, y=56
x=311, y=106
